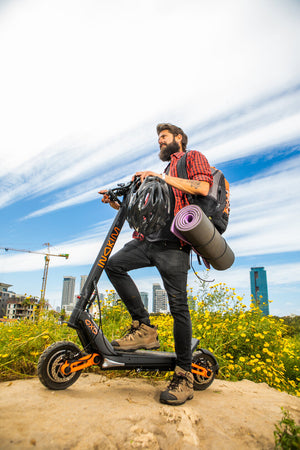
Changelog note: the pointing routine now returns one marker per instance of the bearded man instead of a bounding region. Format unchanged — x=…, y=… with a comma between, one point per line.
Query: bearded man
x=165, y=251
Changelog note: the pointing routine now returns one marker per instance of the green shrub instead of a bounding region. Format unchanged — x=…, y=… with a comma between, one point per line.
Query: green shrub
x=287, y=433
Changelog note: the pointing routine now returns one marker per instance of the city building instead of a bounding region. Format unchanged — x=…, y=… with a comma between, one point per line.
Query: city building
x=21, y=307
x=160, y=299
x=144, y=296
x=5, y=294
x=69, y=308
x=68, y=291
x=155, y=287
x=83, y=279
x=259, y=288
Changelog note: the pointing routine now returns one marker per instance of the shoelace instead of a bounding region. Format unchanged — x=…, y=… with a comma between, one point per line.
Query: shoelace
x=175, y=382
x=129, y=331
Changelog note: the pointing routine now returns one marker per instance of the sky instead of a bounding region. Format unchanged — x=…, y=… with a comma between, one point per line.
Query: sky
x=83, y=85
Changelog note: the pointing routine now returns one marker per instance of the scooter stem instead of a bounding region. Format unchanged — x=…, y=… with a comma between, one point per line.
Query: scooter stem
x=99, y=264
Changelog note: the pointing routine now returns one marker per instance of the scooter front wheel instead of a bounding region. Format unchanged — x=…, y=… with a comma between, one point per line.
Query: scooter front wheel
x=50, y=363
x=205, y=373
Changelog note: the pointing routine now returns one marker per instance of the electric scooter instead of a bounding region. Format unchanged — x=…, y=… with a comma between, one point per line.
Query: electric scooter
x=61, y=364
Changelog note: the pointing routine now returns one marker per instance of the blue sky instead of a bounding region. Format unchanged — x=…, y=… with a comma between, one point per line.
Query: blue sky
x=82, y=87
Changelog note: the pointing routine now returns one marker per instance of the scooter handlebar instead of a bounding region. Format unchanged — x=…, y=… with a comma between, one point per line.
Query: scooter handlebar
x=122, y=189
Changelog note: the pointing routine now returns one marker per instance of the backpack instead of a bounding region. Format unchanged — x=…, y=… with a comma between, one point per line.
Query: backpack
x=216, y=204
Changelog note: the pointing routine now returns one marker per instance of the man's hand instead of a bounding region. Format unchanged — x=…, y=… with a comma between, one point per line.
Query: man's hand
x=145, y=174
x=106, y=199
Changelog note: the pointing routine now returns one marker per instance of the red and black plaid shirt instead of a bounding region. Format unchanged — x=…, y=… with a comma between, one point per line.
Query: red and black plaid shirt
x=197, y=169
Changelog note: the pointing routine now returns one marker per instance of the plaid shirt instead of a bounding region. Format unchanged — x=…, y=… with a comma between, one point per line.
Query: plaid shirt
x=197, y=169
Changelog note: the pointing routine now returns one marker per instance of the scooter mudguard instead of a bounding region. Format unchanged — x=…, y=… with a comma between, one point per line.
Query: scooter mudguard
x=207, y=352
x=195, y=343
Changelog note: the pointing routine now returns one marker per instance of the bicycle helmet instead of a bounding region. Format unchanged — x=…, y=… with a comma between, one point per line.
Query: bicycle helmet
x=149, y=207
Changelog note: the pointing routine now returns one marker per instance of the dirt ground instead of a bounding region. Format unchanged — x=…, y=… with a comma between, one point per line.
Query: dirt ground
x=99, y=413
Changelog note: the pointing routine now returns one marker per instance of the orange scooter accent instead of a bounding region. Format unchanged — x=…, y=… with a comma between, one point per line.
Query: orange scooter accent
x=82, y=363
x=201, y=370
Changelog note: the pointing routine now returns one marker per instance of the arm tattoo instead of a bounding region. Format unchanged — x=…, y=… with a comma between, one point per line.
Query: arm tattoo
x=194, y=183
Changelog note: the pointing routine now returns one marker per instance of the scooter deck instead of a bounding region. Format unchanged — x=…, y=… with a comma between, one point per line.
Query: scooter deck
x=142, y=359
x=194, y=345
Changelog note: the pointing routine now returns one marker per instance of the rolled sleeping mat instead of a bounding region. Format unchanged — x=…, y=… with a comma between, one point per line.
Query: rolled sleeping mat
x=192, y=226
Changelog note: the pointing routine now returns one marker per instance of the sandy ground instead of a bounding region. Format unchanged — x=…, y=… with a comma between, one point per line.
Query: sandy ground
x=98, y=413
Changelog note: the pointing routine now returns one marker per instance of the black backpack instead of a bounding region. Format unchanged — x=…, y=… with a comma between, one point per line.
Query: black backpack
x=216, y=204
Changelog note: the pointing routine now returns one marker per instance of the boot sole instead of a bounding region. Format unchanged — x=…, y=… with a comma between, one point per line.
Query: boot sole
x=138, y=347
x=176, y=402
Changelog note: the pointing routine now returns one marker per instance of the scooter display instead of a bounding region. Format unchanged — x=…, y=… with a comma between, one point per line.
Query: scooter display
x=61, y=364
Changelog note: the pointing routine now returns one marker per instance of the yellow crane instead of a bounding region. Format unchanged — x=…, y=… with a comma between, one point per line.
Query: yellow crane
x=46, y=266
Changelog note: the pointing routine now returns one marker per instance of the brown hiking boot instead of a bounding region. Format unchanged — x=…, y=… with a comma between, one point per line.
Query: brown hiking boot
x=180, y=389
x=138, y=336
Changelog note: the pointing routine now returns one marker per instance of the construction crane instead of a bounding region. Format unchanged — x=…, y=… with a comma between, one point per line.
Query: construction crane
x=46, y=266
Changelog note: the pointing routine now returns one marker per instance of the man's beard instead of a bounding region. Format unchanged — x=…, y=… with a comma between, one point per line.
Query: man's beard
x=167, y=150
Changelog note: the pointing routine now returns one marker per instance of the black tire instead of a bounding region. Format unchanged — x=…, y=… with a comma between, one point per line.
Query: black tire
x=202, y=359
x=50, y=363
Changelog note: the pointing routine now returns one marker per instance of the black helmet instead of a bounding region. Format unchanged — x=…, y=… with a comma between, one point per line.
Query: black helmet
x=149, y=207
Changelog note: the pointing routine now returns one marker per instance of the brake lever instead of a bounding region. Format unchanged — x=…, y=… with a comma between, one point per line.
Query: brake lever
x=112, y=196
x=122, y=189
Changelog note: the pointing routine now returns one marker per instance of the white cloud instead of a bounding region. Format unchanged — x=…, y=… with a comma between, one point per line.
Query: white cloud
x=259, y=222
x=265, y=212
x=109, y=66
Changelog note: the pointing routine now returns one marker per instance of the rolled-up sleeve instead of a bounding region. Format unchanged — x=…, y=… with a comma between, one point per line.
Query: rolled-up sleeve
x=198, y=167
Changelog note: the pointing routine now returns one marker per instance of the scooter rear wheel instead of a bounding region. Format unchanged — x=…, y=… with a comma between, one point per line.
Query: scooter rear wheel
x=50, y=362
x=202, y=382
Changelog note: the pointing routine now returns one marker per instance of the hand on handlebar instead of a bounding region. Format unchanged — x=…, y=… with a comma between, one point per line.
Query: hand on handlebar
x=106, y=199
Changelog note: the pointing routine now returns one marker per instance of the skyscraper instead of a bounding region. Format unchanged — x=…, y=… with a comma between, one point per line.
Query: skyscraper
x=155, y=287
x=144, y=296
x=83, y=279
x=259, y=288
x=68, y=291
x=161, y=301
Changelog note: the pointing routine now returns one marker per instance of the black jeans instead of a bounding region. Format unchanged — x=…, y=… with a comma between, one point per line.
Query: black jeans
x=173, y=265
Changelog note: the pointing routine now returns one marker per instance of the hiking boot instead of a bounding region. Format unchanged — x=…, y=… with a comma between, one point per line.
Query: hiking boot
x=180, y=389
x=138, y=336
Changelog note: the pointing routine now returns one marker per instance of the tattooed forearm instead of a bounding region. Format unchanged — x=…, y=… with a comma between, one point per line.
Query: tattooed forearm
x=193, y=187
x=194, y=183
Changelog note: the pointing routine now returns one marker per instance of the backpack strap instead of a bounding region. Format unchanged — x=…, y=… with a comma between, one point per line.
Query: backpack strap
x=181, y=167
